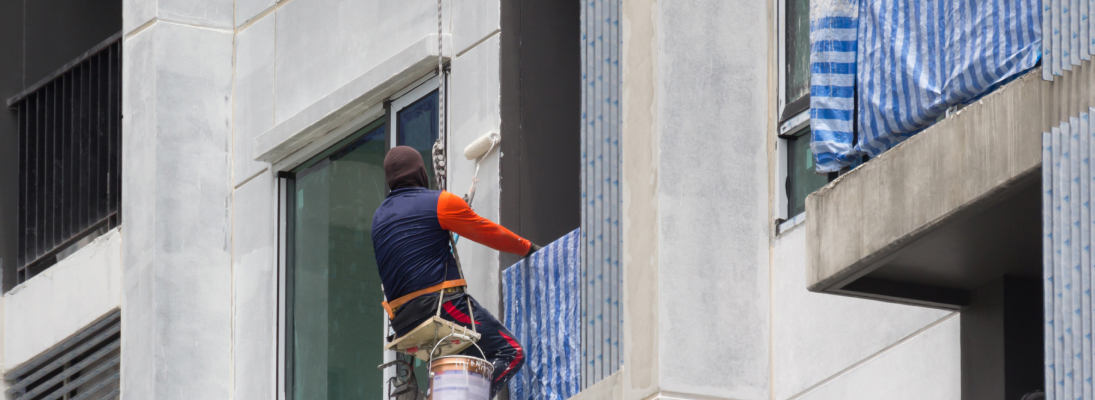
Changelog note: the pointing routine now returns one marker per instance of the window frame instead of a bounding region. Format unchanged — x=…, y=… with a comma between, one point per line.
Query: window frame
x=388, y=111
x=786, y=128
x=782, y=102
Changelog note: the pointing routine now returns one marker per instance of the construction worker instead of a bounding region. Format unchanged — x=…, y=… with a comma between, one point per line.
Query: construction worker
x=411, y=238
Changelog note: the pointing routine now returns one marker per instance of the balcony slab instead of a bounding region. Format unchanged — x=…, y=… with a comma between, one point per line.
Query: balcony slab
x=948, y=210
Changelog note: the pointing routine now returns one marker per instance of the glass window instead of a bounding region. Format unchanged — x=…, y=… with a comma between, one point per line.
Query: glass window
x=337, y=324
x=797, y=56
x=418, y=129
x=801, y=176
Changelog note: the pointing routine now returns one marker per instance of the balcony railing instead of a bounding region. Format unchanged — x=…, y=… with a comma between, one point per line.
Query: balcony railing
x=69, y=157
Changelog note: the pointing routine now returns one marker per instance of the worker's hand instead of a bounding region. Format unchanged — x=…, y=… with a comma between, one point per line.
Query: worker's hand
x=533, y=247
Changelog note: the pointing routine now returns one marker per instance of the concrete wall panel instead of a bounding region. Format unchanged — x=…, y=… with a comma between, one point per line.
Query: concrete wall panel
x=815, y=336
x=208, y=13
x=474, y=112
x=323, y=44
x=924, y=367
x=136, y=13
x=139, y=209
x=247, y=10
x=63, y=299
x=713, y=191
x=254, y=279
x=254, y=105
x=177, y=275
x=191, y=277
x=473, y=21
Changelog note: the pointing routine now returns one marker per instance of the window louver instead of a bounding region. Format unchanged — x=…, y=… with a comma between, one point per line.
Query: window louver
x=85, y=367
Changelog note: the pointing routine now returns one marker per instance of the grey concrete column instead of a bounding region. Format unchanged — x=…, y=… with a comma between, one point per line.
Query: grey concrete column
x=176, y=299
x=696, y=199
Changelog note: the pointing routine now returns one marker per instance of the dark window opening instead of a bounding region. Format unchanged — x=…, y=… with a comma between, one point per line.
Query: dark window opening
x=797, y=58
x=69, y=129
x=51, y=52
x=418, y=129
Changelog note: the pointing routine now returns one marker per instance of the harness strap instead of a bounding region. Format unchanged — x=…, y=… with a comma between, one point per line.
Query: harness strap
x=391, y=306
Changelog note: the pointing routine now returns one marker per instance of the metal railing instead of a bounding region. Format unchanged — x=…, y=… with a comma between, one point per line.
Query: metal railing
x=69, y=157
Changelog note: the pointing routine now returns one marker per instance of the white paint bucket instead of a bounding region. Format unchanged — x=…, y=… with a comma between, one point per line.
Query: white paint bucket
x=460, y=378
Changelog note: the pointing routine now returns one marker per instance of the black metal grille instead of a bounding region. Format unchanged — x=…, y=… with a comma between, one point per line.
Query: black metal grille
x=70, y=151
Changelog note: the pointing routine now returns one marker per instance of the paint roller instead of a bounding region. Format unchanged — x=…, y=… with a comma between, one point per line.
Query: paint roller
x=478, y=150
x=480, y=147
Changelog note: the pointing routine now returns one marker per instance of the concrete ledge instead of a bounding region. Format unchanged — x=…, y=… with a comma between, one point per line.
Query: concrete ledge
x=951, y=169
x=62, y=300
x=350, y=100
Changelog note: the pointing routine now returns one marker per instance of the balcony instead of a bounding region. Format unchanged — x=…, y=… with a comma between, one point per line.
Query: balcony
x=966, y=209
x=950, y=198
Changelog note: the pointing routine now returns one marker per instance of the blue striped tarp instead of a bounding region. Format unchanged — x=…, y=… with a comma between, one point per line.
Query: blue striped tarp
x=543, y=310
x=834, y=28
x=917, y=58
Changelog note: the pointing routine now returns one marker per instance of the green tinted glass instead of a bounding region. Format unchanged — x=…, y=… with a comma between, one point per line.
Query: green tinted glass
x=336, y=318
x=801, y=176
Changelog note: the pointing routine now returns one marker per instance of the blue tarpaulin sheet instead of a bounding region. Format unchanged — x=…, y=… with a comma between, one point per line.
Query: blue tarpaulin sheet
x=542, y=295
x=914, y=59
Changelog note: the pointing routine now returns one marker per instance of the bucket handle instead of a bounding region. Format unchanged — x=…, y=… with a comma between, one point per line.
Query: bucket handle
x=452, y=334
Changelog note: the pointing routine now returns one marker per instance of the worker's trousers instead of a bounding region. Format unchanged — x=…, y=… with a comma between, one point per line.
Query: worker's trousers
x=497, y=343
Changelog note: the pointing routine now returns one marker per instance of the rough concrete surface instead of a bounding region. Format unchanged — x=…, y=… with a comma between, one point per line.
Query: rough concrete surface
x=323, y=44
x=254, y=105
x=177, y=262
x=207, y=13
x=349, y=100
x=712, y=198
x=254, y=291
x=56, y=304
x=247, y=10
x=472, y=22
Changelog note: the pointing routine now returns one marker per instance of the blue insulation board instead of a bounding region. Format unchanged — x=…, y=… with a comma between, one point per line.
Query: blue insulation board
x=1068, y=264
x=542, y=295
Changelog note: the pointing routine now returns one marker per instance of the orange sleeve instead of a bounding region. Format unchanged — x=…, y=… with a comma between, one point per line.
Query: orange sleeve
x=456, y=216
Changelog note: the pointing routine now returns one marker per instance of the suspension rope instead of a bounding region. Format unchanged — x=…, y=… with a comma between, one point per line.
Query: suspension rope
x=439, y=155
x=439, y=145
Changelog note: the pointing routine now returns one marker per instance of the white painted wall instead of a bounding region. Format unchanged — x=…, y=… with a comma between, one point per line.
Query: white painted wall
x=59, y=302
x=476, y=110
x=817, y=337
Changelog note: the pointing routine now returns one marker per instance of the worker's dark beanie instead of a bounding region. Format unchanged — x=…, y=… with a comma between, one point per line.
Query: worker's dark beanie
x=403, y=168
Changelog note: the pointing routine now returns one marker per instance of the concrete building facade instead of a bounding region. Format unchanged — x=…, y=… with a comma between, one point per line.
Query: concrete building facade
x=227, y=105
